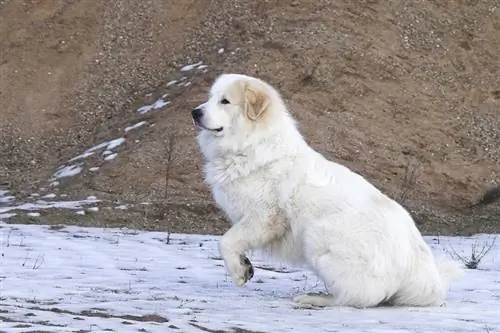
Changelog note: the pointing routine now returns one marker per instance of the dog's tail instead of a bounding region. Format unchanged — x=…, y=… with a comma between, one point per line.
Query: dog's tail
x=449, y=270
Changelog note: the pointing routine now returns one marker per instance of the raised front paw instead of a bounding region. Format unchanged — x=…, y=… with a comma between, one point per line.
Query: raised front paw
x=240, y=269
x=248, y=272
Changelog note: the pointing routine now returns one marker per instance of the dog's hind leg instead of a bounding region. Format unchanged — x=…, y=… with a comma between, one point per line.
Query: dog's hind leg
x=348, y=284
x=309, y=300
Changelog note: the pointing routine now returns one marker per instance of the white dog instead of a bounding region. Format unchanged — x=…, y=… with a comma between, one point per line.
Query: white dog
x=283, y=197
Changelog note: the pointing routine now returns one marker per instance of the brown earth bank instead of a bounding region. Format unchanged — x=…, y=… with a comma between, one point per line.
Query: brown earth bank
x=407, y=93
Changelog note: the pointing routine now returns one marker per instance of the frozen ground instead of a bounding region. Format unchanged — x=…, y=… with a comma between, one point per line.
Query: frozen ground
x=72, y=279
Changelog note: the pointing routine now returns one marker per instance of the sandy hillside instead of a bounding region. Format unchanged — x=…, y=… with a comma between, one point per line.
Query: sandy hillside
x=405, y=92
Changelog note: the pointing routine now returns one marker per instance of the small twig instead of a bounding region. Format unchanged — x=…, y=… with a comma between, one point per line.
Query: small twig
x=38, y=262
x=476, y=256
x=168, y=160
x=8, y=237
x=409, y=181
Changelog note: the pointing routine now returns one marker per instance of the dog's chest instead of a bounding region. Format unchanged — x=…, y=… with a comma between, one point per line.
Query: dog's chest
x=242, y=196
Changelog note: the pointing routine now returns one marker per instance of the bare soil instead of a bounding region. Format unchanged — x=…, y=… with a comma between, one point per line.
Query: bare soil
x=407, y=93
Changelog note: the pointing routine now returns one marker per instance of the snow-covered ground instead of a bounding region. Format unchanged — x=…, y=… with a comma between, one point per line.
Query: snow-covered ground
x=74, y=279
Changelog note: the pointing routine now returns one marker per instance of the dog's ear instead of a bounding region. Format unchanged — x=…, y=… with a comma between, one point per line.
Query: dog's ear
x=256, y=102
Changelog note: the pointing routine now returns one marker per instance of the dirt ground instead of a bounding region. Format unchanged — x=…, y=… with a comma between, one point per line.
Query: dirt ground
x=406, y=93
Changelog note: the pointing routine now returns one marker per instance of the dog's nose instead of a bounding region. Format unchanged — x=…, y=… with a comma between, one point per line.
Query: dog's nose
x=197, y=113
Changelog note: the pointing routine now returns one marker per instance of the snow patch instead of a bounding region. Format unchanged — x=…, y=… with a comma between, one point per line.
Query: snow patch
x=81, y=156
x=191, y=67
x=67, y=171
x=115, y=143
x=6, y=216
x=7, y=198
x=99, y=146
x=41, y=204
x=156, y=105
x=111, y=157
x=139, y=124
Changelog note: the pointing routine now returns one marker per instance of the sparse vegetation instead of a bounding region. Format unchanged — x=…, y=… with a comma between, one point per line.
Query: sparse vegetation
x=411, y=174
x=161, y=207
x=478, y=252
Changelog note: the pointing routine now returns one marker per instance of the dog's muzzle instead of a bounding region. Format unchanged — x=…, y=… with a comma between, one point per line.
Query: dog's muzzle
x=197, y=114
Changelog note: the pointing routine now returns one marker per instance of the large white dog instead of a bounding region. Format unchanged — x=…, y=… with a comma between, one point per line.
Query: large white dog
x=283, y=197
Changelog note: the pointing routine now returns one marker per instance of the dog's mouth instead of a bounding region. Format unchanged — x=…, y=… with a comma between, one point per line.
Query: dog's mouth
x=198, y=124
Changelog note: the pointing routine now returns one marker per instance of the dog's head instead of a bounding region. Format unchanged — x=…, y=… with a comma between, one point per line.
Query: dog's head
x=238, y=105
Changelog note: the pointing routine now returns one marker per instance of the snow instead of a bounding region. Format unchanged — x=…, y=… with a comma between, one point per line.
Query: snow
x=115, y=143
x=67, y=171
x=139, y=124
x=42, y=204
x=33, y=214
x=5, y=216
x=169, y=83
x=156, y=105
x=99, y=146
x=6, y=198
x=110, y=157
x=75, y=279
x=81, y=156
x=191, y=67
x=107, y=146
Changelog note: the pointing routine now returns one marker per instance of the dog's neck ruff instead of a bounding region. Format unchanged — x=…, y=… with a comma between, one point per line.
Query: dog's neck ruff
x=227, y=160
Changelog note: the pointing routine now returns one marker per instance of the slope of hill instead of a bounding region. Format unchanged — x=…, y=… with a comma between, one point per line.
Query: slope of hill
x=405, y=92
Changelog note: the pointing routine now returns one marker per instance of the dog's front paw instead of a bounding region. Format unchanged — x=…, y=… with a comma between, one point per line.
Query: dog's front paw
x=248, y=268
x=241, y=271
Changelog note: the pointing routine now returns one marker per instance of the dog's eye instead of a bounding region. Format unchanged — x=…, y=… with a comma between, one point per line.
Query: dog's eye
x=224, y=101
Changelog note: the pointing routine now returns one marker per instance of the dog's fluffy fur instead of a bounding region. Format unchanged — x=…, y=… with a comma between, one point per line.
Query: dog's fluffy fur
x=283, y=197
